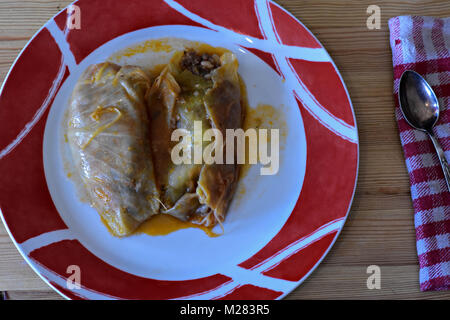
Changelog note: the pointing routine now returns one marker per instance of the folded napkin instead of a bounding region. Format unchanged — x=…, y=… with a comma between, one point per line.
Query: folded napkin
x=422, y=44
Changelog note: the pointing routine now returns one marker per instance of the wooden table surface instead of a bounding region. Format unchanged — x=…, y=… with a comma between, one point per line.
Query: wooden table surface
x=380, y=229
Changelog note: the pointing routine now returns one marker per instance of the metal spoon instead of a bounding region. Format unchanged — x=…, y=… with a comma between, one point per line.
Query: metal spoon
x=420, y=107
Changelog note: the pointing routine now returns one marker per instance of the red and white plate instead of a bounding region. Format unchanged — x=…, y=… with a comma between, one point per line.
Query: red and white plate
x=275, y=235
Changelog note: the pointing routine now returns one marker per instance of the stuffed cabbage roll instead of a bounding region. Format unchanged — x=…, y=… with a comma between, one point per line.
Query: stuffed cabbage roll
x=204, y=87
x=108, y=137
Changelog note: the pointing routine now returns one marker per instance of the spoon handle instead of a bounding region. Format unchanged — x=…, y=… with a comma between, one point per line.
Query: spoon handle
x=442, y=158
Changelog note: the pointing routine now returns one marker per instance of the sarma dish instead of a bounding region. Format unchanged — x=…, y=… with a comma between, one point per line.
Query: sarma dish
x=119, y=128
x=195, y=87
x=108, y=135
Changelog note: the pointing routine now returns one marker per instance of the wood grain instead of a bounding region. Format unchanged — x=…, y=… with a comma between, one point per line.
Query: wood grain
x=380, y=227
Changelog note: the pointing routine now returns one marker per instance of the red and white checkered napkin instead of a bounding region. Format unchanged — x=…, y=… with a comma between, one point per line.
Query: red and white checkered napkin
x=422, y=44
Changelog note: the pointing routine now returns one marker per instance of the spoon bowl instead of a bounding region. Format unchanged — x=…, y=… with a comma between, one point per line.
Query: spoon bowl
x=418, y=102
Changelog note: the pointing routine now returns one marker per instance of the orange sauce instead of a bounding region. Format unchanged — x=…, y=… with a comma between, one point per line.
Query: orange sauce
x=162, y=224
x=149, y=45
x=165, y=45
x=264, y=116
x=239, y=193
x=103, y=220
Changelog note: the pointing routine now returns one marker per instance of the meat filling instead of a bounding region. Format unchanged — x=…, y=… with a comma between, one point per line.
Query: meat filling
x=200, y=65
